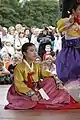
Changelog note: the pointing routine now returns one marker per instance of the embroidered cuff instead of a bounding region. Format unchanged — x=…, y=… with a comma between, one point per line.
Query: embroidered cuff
x=30, y=93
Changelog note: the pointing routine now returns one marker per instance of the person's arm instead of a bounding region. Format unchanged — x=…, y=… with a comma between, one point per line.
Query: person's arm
x=2, y=74
x=39, y=38
x=64, y=24
x=5, y=71
x=44, y=73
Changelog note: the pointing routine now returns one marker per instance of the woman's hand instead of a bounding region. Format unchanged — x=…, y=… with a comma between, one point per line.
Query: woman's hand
x=60, y=86
x=34, y=98
x=1, y=74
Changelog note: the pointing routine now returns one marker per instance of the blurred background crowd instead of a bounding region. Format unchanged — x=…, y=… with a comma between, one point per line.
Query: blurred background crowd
x=46, y=39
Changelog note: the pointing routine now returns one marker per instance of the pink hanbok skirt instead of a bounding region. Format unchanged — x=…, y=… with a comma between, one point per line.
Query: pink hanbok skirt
x=58, y=97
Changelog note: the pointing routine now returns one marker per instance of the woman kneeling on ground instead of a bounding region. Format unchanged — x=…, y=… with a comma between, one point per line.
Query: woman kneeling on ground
x=34, y=86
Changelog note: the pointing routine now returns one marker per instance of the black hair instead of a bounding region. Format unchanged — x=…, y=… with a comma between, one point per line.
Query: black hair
x=26, y=29
x=52, y=53
x=25, y=47
x=75, y=6
x=45, y=28
x=9, y=54
x=68, y=5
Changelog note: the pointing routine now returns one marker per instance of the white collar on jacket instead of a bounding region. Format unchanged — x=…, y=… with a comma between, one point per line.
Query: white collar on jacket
x=30, y=67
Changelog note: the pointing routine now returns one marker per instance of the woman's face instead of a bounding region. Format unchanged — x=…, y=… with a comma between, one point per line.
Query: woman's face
x=12, y=31
x=21, y=35
x=15, y=60
x=54, y=59
x=31, y=53
x=45, y=32
x=38, y=60
x=15, y=33
x=27, y=32
x=49, y=60
x=77, y=11
x=6, y=57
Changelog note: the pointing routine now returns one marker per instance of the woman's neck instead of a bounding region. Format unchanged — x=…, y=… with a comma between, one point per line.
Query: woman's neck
x=29, y=62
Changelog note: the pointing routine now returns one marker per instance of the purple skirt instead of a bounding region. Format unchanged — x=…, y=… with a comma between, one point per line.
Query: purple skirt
x=68, y=60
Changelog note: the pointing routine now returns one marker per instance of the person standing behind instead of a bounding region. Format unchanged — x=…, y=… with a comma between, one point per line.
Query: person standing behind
x=68, y=60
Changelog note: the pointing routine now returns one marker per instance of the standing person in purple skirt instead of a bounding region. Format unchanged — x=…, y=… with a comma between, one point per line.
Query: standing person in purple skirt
x=68, y=60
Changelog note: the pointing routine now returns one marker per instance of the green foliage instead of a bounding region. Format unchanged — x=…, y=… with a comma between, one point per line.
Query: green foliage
x=8, y=16
x=30, y=13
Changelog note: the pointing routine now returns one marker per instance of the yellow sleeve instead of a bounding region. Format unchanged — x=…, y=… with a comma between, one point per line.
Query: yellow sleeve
x=46, y=73
x=61, y=24
x=49, y=74
x=43, y=73
x=19, y=81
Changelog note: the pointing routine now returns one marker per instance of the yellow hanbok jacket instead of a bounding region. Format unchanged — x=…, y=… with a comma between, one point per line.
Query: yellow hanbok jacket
x=73, y=31
x=21, y=73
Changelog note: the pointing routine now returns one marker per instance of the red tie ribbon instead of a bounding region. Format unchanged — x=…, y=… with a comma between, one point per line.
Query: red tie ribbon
x=30, y=80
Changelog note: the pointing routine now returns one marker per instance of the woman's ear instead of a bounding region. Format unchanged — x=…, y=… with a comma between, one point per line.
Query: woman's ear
x=24, y=53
